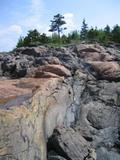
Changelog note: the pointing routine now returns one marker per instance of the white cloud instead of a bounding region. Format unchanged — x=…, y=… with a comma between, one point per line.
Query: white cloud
x=70, y=23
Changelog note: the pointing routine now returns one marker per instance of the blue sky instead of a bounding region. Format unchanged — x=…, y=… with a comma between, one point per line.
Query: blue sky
x=19, y=16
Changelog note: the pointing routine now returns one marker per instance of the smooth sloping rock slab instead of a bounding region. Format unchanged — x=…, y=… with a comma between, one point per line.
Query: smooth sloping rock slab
x=11, y=90
x=25, y=122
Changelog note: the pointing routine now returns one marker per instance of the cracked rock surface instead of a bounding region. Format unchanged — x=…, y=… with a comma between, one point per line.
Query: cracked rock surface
x=60, y=104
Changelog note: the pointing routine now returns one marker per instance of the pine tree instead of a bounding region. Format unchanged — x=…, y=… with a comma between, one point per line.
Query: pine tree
x=107, y=30
x=84, y=30
x=57, y=23
x=116, y=34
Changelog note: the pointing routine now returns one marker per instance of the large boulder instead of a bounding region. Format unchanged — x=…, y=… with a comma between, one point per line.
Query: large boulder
x=58, y=70
x=92, y=52
x=87, y=48
x=69, y=144
x=33, y=51
x=95, y=56
x=30, y=109
x=100, y=116
x=106, y=70
x=49, y=71
x=15, y=66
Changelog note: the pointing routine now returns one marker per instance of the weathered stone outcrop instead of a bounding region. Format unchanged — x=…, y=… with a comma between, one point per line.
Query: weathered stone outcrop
x=30, y=109
x=64, y=106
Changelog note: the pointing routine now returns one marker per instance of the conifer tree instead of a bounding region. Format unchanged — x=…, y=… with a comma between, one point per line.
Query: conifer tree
x=84, y=30
x=57, y=23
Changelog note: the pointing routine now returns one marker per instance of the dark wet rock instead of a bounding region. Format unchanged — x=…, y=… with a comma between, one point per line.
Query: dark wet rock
x=69, y=144
x=53, y=156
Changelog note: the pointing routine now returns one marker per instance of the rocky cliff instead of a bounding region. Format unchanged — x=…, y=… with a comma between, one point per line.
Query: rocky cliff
x=60, y=104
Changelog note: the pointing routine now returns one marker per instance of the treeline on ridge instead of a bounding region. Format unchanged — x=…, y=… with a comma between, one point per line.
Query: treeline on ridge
x=85, y=34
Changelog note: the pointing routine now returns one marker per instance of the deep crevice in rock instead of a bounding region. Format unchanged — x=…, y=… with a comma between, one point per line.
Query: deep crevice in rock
x=51, y=147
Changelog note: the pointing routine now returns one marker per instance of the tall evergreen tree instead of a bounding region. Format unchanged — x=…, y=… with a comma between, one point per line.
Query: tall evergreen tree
x=84, y=30
x=107, y=30
x=116, y=34
x=57, y=23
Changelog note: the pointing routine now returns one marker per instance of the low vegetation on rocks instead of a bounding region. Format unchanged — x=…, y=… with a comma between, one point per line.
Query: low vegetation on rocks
x=103, y=36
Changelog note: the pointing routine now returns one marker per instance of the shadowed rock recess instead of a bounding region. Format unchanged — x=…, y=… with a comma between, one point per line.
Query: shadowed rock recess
x=60, y=103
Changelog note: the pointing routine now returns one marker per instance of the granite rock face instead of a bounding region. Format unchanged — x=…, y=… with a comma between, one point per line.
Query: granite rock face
x=60, y=104
x=30, y=109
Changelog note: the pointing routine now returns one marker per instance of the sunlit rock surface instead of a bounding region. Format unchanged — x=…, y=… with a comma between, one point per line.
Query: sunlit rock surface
x=60, y=103
x=29, y=111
